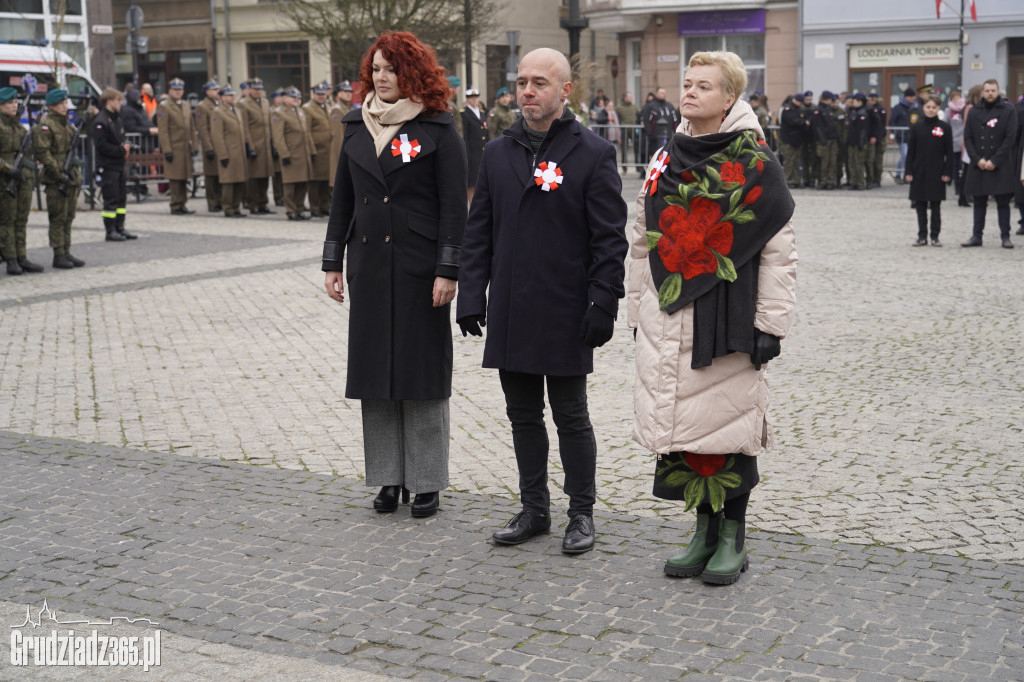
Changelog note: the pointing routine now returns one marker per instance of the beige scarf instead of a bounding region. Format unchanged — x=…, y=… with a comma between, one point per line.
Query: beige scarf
x=383, y=119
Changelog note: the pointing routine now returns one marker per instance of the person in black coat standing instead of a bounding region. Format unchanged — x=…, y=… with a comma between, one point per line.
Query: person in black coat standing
x=111, y=149
x=990, y=137
x=399, y=210
x=1019, y=156
x=930, y=164
x=543, y=263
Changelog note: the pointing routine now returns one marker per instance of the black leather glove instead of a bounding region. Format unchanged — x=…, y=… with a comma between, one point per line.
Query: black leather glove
x=597, y=327
x=471, y=324
x=195, y=153
x=224, y=163
x=766, y=347
x=286, y=161
x=274, y=155
x=312, y=157
x=169, y=156
x=210, y=155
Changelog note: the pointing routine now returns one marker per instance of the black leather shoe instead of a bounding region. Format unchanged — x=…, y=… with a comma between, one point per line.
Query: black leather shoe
x=126, y=234
x=114, y=236
x=1007, y=244
x=1020, y=230
x=387, y=499
x=77, y=262
x=522, y=527
x=62, y=262
x=425, y=504
x=216, y=209
x=29, y=266
x=182, y=211
x=579, y=535
x=973, y=241
x=236, y=214
x=14, y=267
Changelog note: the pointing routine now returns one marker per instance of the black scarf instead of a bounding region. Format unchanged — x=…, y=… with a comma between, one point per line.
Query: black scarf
x=712, y=204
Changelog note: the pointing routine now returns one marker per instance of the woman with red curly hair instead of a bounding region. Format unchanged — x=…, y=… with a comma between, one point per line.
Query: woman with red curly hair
x=399, y=209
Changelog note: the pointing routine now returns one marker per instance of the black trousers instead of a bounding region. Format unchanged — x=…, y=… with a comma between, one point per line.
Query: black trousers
x=524, y=402
x=922, y=218
x=1002, y=211
x=114, y=190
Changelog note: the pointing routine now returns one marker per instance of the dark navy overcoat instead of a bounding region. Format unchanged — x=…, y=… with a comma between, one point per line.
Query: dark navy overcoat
x=547, y=254
x=991, y=133
x=400, y=217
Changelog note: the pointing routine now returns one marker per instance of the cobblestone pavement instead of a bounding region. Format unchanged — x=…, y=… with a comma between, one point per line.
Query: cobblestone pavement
x=887, y=532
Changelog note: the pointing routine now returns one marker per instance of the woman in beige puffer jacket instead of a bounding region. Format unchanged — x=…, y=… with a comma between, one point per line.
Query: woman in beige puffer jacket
x=708, y=425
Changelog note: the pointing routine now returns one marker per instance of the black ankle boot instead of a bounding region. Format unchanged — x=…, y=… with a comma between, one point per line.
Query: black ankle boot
x=387, y=499
x=110, y=225
x=425, y=504
x=120, y=228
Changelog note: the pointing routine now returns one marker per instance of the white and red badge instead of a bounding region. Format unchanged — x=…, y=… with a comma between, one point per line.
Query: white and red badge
x=660, y=166
x=547, y=175
x=408, y=150
x=937, y=131
x=991, y=123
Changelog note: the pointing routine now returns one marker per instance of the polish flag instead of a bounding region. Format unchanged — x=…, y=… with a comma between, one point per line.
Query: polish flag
x=974, y=10
x=938, y=9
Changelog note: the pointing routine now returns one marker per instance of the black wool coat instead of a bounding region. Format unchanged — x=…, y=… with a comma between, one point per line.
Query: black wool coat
x=929, y=157
x=533, y=260
x=401, y=219
x=991, y=134
x=1018, y=155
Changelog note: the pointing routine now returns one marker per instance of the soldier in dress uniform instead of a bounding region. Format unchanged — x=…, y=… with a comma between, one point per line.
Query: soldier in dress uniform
x=294, y=146
x=256, y=112
x=14, y=209
x=474, y=133
x=54, y=138
x=342, y=105
x=203, y=112
x=243, y=96
x=318, y=122
x=276, y=98
x=501, y=115
x=230, y=136
x=179, y=143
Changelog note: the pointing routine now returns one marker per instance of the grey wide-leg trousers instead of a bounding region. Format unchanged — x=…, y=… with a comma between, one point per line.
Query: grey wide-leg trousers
x=405, y=442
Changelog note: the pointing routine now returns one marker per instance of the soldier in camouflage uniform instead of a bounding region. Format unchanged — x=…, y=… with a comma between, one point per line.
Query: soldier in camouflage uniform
x=14, y=210
x=501, y=116
x=54, y=138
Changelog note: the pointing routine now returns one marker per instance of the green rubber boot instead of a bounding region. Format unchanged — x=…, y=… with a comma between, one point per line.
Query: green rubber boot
x=691, y=561
x=730, y=558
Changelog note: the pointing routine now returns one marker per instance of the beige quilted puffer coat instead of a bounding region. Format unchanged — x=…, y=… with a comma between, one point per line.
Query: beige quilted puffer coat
x=722, y=408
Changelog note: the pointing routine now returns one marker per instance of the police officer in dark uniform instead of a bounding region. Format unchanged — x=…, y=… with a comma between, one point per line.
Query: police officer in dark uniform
x=877, y=140
x=857, y=132
x=792, y=132
x=823, y=129
x=111, y=149
x=659, y=119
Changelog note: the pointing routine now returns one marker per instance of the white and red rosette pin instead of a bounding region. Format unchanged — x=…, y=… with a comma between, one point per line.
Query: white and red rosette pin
x=402, y=146
x=547, y=175
x=937, y=131
x=659, y=167
x=991, y=123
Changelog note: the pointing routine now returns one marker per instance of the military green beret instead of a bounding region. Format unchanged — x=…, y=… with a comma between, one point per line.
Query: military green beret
x=56, y=97
x=7, y=94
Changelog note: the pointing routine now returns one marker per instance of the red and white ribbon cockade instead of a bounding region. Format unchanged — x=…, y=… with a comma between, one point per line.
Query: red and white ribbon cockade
x=547, y=175
x=402, y=145
x=937, y=131
x=660, y=166
x=991, y=123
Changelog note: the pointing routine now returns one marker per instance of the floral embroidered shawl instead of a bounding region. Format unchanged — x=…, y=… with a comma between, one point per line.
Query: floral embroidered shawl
x=712, y=204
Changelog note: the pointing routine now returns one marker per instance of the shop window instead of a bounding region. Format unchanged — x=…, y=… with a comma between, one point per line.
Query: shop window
x=280, y=64
x=22, y=7
x=71, y=8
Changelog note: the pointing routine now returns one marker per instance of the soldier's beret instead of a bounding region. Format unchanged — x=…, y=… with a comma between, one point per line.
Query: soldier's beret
x=454, y=81
x=502, y=91
x=798, y=97
x=7, y=94
x=56, y=96
x=858, y=95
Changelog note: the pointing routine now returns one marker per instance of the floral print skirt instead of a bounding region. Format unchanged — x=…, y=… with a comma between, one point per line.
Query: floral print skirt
x=697, y=478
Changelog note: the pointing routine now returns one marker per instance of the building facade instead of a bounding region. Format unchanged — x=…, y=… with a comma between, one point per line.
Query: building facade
x=180, y=44
x=657, y=37
x=891, y=46
x=37, y=20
